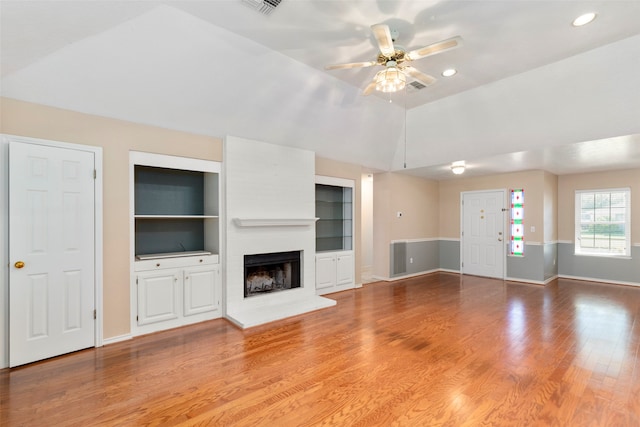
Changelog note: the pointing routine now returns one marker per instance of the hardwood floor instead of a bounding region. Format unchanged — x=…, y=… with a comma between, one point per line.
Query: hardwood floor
x=435, y=350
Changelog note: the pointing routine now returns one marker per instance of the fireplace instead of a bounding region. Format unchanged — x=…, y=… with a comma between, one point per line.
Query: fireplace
x=272, y=272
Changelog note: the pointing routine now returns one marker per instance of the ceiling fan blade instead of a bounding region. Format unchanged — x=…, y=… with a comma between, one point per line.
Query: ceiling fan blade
x=423, y=78
x=370, y=87
x=383, y=37
x=350, y=65
x=434, y=48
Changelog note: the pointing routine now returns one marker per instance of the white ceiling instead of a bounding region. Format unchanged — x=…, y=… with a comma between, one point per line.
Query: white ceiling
x=532, y=92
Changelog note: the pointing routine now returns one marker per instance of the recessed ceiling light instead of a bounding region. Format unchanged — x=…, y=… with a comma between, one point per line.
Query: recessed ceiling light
x=450, y=72
x=584, y=19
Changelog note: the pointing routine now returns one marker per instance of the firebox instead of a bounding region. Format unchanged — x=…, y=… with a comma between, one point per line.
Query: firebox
x=271, y=272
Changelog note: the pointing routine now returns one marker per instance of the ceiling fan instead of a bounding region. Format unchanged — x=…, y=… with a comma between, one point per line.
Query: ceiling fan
x=394, y=58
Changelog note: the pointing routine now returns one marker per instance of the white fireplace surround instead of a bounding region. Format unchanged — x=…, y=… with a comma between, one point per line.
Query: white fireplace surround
x=270, y=207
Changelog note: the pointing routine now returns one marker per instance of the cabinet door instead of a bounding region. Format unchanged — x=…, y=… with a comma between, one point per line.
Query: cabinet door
x=325, y=271
x=158, y=293
x=201, y=290
x=344, y=268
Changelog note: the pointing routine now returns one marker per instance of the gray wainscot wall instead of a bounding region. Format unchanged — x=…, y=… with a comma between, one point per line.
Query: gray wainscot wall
x=608, y=269
x=539, y=265
x=425, y=255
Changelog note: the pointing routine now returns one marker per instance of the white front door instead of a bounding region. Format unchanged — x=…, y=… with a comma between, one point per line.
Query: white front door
x=51, y=251
x=483, y=229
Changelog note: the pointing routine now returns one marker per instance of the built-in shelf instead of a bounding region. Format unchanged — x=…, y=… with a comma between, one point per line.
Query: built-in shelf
x=175, y=216
x=274, y=222
x=334, y=208
x=172, y=255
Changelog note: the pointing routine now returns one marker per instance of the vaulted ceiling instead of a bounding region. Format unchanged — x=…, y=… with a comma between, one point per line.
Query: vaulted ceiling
x=532, y=91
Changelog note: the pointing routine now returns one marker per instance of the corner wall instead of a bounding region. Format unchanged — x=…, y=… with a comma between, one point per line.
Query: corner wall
x=405, y=244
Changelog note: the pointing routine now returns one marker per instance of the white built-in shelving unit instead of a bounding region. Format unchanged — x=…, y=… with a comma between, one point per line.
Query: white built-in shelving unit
x=175, y=241
x=335, y=262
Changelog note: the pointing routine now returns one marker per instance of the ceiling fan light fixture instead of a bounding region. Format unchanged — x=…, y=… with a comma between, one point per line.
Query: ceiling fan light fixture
x=458, y=167
x=391, y=79
x=584, y=19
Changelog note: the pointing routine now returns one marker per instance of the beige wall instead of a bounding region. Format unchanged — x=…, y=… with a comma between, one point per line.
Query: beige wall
x=550, y=207
x=116, y=138
x=416, y=198
x=532, y=182
x=568, y=184
x=336, y=169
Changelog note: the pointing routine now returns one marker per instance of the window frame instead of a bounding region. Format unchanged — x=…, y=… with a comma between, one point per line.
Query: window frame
x=599, y=252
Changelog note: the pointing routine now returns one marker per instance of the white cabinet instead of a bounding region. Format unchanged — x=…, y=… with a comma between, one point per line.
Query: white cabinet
x=344, y=268
x=158, y=294
x=334, y=272
x=174, y=241
x=200, y=290
x=176, y=292
x=325, y=271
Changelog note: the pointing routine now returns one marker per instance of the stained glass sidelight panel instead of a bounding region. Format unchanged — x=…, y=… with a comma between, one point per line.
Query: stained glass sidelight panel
x=517, y=228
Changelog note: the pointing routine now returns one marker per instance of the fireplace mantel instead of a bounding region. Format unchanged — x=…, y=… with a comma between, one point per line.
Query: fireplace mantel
x=274, y=222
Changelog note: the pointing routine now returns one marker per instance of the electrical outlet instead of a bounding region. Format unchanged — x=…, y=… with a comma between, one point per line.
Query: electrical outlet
x=533, y=228
x=410, y=260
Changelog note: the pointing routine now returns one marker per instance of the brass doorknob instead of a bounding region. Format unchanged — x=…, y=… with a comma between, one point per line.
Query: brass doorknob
x=19, y=264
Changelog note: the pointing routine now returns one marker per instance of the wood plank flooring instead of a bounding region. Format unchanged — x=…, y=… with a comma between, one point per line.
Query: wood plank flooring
x=435, y=350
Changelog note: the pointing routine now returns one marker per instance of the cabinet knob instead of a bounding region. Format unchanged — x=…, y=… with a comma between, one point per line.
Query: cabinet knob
x=158, y=265
x=201, y=260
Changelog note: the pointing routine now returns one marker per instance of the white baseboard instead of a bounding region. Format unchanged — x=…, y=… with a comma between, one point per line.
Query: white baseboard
x=591, y=279
x=116, y=339
x=446, y=270
x=532, y=282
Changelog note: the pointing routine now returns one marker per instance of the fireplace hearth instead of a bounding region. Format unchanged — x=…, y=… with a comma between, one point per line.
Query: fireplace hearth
x=271, y=272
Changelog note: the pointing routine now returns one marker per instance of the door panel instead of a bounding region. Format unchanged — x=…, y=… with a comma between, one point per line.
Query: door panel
x=158, y=293
x=483, y=224
x=200, y=290
x=325, y=271
x=344, y=269
x=73, y=298
x=51, y=223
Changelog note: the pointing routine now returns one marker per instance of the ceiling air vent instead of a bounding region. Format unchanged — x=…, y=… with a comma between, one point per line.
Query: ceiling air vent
x=417, y=85
x=263, y=6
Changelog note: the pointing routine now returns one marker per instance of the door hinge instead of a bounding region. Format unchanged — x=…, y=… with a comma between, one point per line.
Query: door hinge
x=136, y=318
x=95, y=174
x=95, y=314
x=136, y=280
x=462, y=264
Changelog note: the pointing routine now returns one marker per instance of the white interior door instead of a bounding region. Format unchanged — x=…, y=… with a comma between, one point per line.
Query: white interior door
x=51, y=251
x=483, y=228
